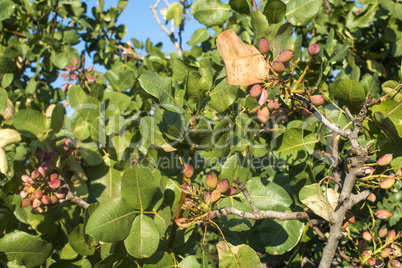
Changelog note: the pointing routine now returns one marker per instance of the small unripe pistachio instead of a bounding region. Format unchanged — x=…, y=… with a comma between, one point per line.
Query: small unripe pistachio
x=263, y=45
x=45, y=200
x=91, y=79
x=371, y=198
x=24, y=178
x=188, y=170
x=212, y=180
x=371, y=261
x=361, y=245
x=278, y=67
x=53, y=199
x=314, y=50
x=35, y=174
x=385, y=160
x=54, y=176
x=42, y=172
x=350, y=217
x=73, y=76
x=25, y=202
x=317, y=100
x=207, y=197
x=38, y=194
x=223, y=186
x=383, y=214
x=233, y=190
x=215, y=195
x=182, y=222
x=366, y=235
x=367, y=253
x=90, y=68
x=36, y=203
x=385, y=252
x=23, y=194
x=273, y=105
x=75, y=61
x=279, y=116
x=368, y=170
x=391, y=235
x=32, y=198
x=36, y=210
x=255, y=91
x=345, y=224
x=387, y=183
x=263, y=97
x=60, y=194
x=263, y=115
x=285, y=56
x=306, y=113
x=383, y=232
x=54, y=184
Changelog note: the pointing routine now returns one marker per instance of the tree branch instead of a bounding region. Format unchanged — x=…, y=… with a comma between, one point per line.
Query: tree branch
x=169, y=33
x=259, y=215
x=243, y=188
x=70, y=196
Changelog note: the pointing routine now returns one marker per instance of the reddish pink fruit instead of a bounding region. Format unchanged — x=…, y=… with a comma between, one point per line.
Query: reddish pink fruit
x=391, y=235
x=387, y=183
x=36, y=203
x=90, y=68
x=263, y=45
x=60, y=195
x=306, y=113
x=317, y=100
x=24, y=178
x=207, y=197
x=75, y=61
x=73, y=76
x=345, y=224
x=278, y=67
x=371, y=198
x=368, y=170
x=65, y=75
x=38, y=194
x=212, y=180
x=383, y=214
x=182, y=222
x=54, y=184
x=45, y=200
x=366, y=235
x=263, y=98
x=53, y=199
x=54, y=176
x=371, y=261
x=32, y=197
x=263, y=115
x=68, y=142
x=285, y=56
x=23, y=194
x=223, y=186
x=188, y=170
x=35, y=174
x=233, y=190
x=367, y=253
x=385, y=252
x=42, y=172
x=273, y=105
x=255, y=91
x=215, y=195
x=314, y=50
x=385, y=160
x=394, y=264
x=66, y=148
x=383, y=232
x=91, y=79
x=25, y=202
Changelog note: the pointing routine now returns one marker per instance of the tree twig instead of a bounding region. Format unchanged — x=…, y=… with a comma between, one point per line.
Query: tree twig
x=243, y=189
x=70, y=196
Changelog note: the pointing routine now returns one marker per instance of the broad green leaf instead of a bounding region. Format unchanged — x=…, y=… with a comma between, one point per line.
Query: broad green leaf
x=25, y=249
x=76, y=97
x=89, y=109
x=240, y=256
x=124, y=80
x=4, y=63
x=371, y=85
x=162, y=88
x=236, y=223
x=65, y=57
x=199, y=36
x=162, y=220
x=280, y=236
x=241, y=6
x=57, y=118
x=210, y=12
x=314, y=199
x=31, y=123
x=159, y=259
x=140, y=188
x=111, y=222
x=83, y=244
x=260, y=24
x=235, y=166
x=71, y=36
x=283, y=39
x=3, y=100
x=388, y=117
x=351, y=94
x=196, y=87
x=180, y=69
x=116, y=103
x=32, y=85
x=105, y=182
x=7, y=8
x=394, y=8
x=268, y=195
x=91, y=154
x=388, y=86
x=275, y=11
x=301, y=12
x=143, y=239
x=150, y=131
x=68, y=253
x=293, y=147
x=190, y=261
x=175, y=12
x=222, y=96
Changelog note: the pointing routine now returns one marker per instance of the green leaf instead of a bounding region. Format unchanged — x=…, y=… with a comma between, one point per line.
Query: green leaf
x=275, y=11
x=181, y=70
x=159, y=259
x=162, y=88
x=351, y=94
x=260, y=24
x=71, y=36
x=125, y=79
x=199, y=36
x=241, y=6
x=7, y=8
x=395, y=95
x=3, y=100
x=150, y=131
x=280, y=236
x=240, y=256
x=25, y=249
x=236, y=223
x=140, y=188
x=283, y=39
x=111, y=222
x=91, y=154
x=293, y=147
x=57, y=118
x=175, y=11
x=31, y=123
x=301, y=12
x=4, y=63
x=394, y=8
x=222, y=96
x=105, y=181
x=82, y=244
x=116, y=103
x=268, y=195
x=65, y=57
x=235, y=167
x=210, y=12
x=314, y=199
x=76, y=97
x=388, y=117
x=143, y=239
x=32, y=85
x=163, y=220
x=89, y=109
